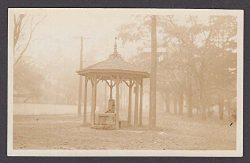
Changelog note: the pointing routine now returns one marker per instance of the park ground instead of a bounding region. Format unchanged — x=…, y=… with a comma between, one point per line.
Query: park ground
x=172, y=132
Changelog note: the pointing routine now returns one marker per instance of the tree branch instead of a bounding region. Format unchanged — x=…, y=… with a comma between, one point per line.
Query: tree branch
x=29, y=39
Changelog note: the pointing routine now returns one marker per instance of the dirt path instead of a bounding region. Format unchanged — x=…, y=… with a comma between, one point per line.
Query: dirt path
x=174, y=132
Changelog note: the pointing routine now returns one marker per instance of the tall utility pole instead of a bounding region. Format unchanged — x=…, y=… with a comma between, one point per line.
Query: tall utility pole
x=80, y=82
x=152, y=111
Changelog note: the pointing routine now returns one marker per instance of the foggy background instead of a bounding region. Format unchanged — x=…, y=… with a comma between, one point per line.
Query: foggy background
x=47, y=56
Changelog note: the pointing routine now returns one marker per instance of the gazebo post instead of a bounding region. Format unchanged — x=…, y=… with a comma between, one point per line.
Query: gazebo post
x=141, y=99
x=105, y=96
x=93, y=104
x=129, y=102
x=111, y=87
x=136, y=105
x=117, y=102
x=85, y=102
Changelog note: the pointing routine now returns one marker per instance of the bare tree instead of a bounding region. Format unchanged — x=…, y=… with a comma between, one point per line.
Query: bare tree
x=24, y=27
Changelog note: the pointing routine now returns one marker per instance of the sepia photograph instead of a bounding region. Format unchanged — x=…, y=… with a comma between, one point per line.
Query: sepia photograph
x=125, y=82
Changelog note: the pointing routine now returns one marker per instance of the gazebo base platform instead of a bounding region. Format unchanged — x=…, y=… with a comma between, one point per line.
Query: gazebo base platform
x=104, y=127
x=122, y=124
x=105, y=121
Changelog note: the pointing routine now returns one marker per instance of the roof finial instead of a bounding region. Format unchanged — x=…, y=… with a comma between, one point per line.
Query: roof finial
x=115, y=47
x=115, y=53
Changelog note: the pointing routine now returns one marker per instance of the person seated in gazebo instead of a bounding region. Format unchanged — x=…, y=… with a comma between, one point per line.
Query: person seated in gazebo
x=111, y=106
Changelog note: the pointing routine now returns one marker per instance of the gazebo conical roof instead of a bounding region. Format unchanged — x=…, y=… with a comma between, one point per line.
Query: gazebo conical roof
x=116, y=65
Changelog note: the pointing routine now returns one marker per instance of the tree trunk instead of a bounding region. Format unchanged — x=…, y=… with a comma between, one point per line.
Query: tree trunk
x=190, y=101
x=202, y=102
x=227, y=106
x=167, y=103
x=221, y=107
x=152, y=111
x=141, y=104
x=203, y=111
x=175, y=105
x=181, y=103
x=136, y=105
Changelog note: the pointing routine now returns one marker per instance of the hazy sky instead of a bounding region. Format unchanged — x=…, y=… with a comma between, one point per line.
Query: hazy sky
x=55, y=37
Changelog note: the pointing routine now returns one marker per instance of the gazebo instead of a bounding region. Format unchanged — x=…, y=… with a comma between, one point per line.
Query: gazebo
x=115, y=70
